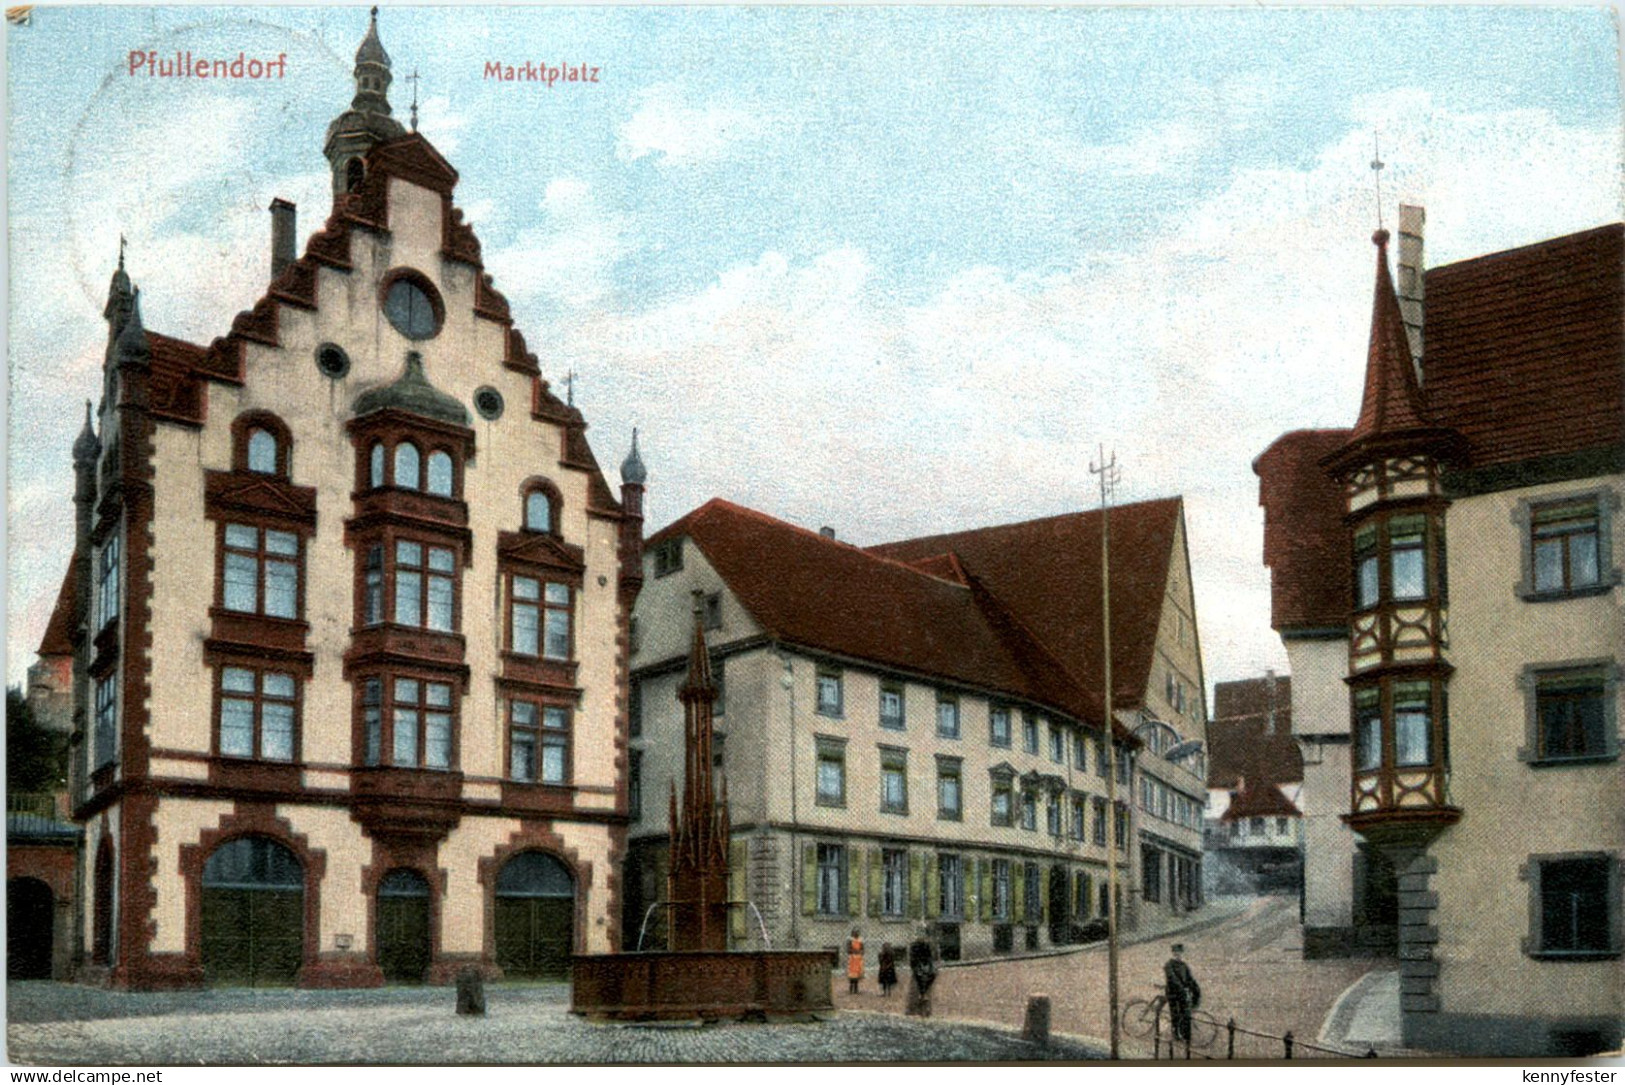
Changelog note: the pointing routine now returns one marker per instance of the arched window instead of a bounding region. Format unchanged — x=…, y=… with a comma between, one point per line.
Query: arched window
x=440, y=473
x=538, y=511
x=406, y=466
x=262, y=452
x=253, y=862
x=377, y=470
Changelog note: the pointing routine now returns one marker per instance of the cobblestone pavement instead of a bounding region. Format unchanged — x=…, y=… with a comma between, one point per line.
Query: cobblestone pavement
x=1250, y=966
x=58, y=1024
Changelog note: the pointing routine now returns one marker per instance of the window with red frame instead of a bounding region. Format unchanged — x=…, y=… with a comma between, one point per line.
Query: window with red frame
x=407, y=722
x=539, y=617
x=258, y=713
x=260, y=571
x=538, y=742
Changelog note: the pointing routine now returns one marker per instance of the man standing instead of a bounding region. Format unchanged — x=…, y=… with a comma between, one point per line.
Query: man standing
x=1184, y=993
x=922, y=963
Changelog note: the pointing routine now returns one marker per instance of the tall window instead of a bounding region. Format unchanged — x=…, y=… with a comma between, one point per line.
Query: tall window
x=1001, y=801
x=1365, y=567
x=951, y=886
x=831, y=879
x=1057, y=745
x=440, y=480
x=1367, y=729
x=634, y=783
x=1080, y=760
x=407, y=467
x=538, y=511
x=262, y=451
x=372, y=606
x=1052, y=814
x=893, y=780
x=375, y=466
x=539, y=742
x=1121, y=824
x=1034, y=887
x=1413, y=713
x=412, y=728
x=949, y=797
x=1564, y=545
x=948, y=717
x=1029, y=811
x=891, y=707
x=1001, y=889
x=1029, y=733
x=556, y=621
x=261, y=571
x=831, y=773
x=829, y=693
x=1100, y=822
x=1407, y=556
x=425, y=585
x=1075, y=830
x=107, y=581
x=539, y=618
x=1100, y=759
x=998, y=726
x=257, y=712
x=106, y=720
x=893, y=882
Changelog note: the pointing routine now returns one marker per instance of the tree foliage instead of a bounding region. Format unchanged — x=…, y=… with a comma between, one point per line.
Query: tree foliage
x=36, y=757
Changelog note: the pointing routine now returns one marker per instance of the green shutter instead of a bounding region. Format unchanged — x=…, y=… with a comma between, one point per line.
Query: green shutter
x=1018, y=879
x=736, y=889
x=874, y=881
x=984, y=888
x=933, y=887
x=809, y=879
x=852, y=875
x=916, y=886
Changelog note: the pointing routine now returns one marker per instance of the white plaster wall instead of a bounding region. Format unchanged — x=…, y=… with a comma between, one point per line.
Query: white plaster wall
x=179, y=822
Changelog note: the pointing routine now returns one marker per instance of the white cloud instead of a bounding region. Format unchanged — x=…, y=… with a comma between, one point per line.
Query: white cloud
x=567, y=259
x=681, y=134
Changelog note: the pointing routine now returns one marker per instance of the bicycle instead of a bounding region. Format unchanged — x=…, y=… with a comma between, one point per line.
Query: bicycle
x=1141, y=1017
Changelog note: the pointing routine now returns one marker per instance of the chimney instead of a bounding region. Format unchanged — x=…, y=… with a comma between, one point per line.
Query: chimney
x=827, y=532
x=283, y=228
x=1411, y=219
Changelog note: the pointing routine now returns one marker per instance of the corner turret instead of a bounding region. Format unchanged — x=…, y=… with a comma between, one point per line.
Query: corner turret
x=367, y=122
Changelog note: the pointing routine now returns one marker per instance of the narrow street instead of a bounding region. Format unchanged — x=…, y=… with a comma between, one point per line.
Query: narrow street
x=1250, y=967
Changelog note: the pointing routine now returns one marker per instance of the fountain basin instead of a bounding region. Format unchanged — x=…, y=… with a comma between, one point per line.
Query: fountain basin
x=711, y=985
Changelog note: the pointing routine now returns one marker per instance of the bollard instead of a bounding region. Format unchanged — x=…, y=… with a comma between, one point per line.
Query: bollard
x=1036, y=1029
x=1230, y=1044
x=470, y=992
x=1287, y=1040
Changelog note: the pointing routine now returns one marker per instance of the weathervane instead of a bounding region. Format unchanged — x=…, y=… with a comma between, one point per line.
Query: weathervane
x=1376, y=172
x=413, y=79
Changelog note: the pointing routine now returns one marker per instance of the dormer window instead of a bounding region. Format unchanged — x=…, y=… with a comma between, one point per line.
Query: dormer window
x=260, y=444
x=538, y=511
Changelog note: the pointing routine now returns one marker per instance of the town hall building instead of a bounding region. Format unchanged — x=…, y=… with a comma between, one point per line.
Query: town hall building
x=347, y=616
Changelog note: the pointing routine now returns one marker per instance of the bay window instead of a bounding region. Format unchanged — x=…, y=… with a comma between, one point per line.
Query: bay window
x=408, y=722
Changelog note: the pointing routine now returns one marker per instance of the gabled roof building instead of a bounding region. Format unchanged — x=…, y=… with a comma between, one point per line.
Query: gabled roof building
x=915, y=732
x=1447, y=580
x=346, y=618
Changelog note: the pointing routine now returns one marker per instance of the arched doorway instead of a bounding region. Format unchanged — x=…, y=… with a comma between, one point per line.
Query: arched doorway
x=30, y=917
x=403, y=926
x=1060, y=915
x=253, y=913
x=535, y=917
x=101, y=941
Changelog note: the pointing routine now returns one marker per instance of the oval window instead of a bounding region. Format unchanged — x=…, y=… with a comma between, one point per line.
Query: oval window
x=411, y=310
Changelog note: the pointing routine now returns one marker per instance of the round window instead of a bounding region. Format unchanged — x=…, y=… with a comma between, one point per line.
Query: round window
x=488, y=401
x=412, y=310
x=332, y=361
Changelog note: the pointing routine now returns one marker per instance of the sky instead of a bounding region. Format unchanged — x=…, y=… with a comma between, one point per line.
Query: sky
x=898, y=271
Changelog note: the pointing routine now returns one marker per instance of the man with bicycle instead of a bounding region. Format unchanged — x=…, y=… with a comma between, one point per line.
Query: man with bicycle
x=1183, y=992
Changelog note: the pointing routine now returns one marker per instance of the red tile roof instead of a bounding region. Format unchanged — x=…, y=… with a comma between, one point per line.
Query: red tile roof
x=1015, y=611
x=1250, y=735
x=1524, y=350
x=58, y=639
x=1306, y=544
x=1392, y=401
x=1260, y=800
x=1047, y=572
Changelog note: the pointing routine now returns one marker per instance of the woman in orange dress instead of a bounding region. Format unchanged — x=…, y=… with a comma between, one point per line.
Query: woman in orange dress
x=854, y=961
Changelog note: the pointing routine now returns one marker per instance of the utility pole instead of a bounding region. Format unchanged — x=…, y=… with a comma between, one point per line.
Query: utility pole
x=1109, y=474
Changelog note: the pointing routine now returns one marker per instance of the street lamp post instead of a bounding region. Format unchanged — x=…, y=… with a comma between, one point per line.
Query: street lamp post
x=1108, y=474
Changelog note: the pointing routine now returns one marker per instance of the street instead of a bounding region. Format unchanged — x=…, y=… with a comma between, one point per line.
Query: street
x=1250, y=967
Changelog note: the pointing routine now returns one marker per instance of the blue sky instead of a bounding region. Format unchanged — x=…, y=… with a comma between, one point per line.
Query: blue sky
x=897, y=270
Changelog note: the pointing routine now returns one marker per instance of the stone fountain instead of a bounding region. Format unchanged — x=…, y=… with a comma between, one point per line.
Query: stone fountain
x=698, y=976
